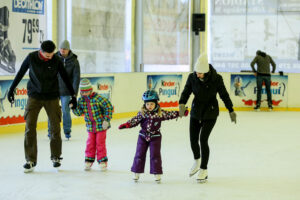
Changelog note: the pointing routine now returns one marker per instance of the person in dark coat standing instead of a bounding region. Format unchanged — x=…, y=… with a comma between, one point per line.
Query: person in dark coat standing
x=72, y=67
x=205, y=83
x=43, y=92
x=262, y=73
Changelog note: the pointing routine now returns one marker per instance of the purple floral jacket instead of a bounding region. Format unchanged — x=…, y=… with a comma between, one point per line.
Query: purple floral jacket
x=151, y=122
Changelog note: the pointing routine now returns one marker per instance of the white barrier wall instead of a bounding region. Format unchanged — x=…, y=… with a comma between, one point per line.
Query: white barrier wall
x=129, y=87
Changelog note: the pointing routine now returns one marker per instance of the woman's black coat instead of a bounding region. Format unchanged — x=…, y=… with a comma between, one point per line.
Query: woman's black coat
x=205, y=104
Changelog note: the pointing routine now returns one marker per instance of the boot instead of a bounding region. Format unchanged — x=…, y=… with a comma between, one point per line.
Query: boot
x=157, y=178
x=103, y=166
x=136, y=177
x=196, y=167
x=29, y=166
x=88, y=166
x=202, y=176
x=257, y=108
x=56, y=162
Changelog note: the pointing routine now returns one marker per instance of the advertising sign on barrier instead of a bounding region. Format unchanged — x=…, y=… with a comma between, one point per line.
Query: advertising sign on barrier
x=243, y=90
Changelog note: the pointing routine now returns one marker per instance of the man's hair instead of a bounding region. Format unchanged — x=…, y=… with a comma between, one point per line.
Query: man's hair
x=48, y=46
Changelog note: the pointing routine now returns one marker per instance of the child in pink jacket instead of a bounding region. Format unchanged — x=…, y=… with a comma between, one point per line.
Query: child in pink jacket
x=97, y=112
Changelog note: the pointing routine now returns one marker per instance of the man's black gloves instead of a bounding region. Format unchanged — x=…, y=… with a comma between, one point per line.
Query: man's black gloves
x=11, y=96
x=73, y=103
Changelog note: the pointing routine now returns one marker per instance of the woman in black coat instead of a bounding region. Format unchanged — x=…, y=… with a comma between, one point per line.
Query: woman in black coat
x=204, y=83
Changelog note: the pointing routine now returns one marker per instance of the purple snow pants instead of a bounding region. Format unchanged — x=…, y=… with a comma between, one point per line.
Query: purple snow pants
x=138, y=165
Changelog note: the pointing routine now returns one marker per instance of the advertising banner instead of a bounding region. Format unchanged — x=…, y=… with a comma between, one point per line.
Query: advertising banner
x=22, y=30
x=243, y=91
x=13, y=113
x=103, y=86
x=167, y=87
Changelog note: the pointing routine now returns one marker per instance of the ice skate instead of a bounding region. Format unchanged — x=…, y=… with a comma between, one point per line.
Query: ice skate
x=29, y=166
x=196, y=167
x=103, y=166
x=157, y=178
x=68, y=136
x=202, y=176
x=88, y=166
x=136, y=177
x=56, y=162
x=270, y=108
x=257, y=108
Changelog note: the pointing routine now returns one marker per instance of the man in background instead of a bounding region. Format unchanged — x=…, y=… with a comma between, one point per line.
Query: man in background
x=72, y=67
x=262, y=73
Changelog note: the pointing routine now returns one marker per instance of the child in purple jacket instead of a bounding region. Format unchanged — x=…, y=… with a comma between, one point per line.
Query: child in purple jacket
x=150, y=118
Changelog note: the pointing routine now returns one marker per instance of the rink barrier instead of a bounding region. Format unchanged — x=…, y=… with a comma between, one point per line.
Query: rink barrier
x=20, y=128
x=138, y=81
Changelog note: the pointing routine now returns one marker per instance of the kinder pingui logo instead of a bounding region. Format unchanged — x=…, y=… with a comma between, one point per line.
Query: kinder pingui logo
x=277, y=88
x=168, y=88
x=28, y=6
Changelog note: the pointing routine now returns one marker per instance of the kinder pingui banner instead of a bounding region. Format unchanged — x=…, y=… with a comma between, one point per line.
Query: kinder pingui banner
x=167, y=87
x=22, y=30
x=103, y=86
x=243, y=91
x=13, y=113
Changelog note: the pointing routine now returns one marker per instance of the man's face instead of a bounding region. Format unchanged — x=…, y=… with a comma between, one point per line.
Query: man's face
x=64, y=52
x=47, y=55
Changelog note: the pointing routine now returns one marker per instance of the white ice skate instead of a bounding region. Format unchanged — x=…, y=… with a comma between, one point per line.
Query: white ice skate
x=88, y=166
x=157, y=178
x=136, y=177
x=196, y=167
x=103, y=166
x=29, y=166
x=202, y=176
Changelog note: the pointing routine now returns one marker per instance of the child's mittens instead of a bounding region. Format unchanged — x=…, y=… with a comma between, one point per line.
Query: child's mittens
x=125, y=125
x=186, y=112
x=105, y=125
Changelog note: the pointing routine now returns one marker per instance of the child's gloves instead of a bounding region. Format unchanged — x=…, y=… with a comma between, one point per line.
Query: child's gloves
x=125, y=125
x=233, y=117
x=186, y=112
x=182, y=109
x=105, y=125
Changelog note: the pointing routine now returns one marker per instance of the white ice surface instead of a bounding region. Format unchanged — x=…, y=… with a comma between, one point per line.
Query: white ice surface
x=258, y=158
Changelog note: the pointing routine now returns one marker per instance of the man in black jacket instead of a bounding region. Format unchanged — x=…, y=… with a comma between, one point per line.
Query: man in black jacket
x=72, y=67
x=43, y=91
x=204, y=83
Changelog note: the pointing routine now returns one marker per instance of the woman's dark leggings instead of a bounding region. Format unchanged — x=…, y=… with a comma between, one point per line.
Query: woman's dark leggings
x=202, y=129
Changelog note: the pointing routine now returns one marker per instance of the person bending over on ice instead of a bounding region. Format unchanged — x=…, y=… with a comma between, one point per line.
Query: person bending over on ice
x=150, y=118
x=204, y=83
x=97, y=112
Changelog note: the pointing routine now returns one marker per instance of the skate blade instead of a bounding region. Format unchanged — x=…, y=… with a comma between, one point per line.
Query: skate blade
x=87, y=169
x=158, y=181
x=192, y=174
x=202, y=180
x=28, y=170
x=136, y=180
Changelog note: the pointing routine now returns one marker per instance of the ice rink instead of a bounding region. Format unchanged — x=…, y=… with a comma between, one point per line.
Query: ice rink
x=258, y=158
